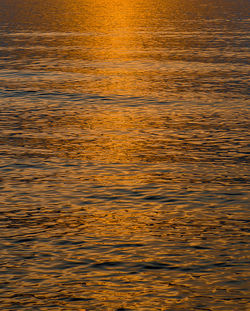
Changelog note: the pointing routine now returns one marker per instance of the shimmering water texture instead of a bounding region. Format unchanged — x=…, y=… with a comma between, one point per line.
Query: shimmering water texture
x=124, y=142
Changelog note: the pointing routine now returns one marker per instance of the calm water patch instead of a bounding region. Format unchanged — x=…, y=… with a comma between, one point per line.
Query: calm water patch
x=124, y=143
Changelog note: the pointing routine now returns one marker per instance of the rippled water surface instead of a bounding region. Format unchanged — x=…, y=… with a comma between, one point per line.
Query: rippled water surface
x=124, y=143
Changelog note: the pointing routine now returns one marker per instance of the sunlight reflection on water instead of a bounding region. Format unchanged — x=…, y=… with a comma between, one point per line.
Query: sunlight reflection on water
x=124, y=166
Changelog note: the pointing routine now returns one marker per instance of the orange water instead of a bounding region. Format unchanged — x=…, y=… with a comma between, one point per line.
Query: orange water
x=124, y=142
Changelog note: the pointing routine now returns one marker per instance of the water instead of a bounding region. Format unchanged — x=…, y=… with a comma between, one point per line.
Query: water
x=124, y=169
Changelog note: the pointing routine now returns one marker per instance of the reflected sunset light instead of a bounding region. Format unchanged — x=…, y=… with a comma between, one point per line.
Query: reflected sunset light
x=124, y=155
